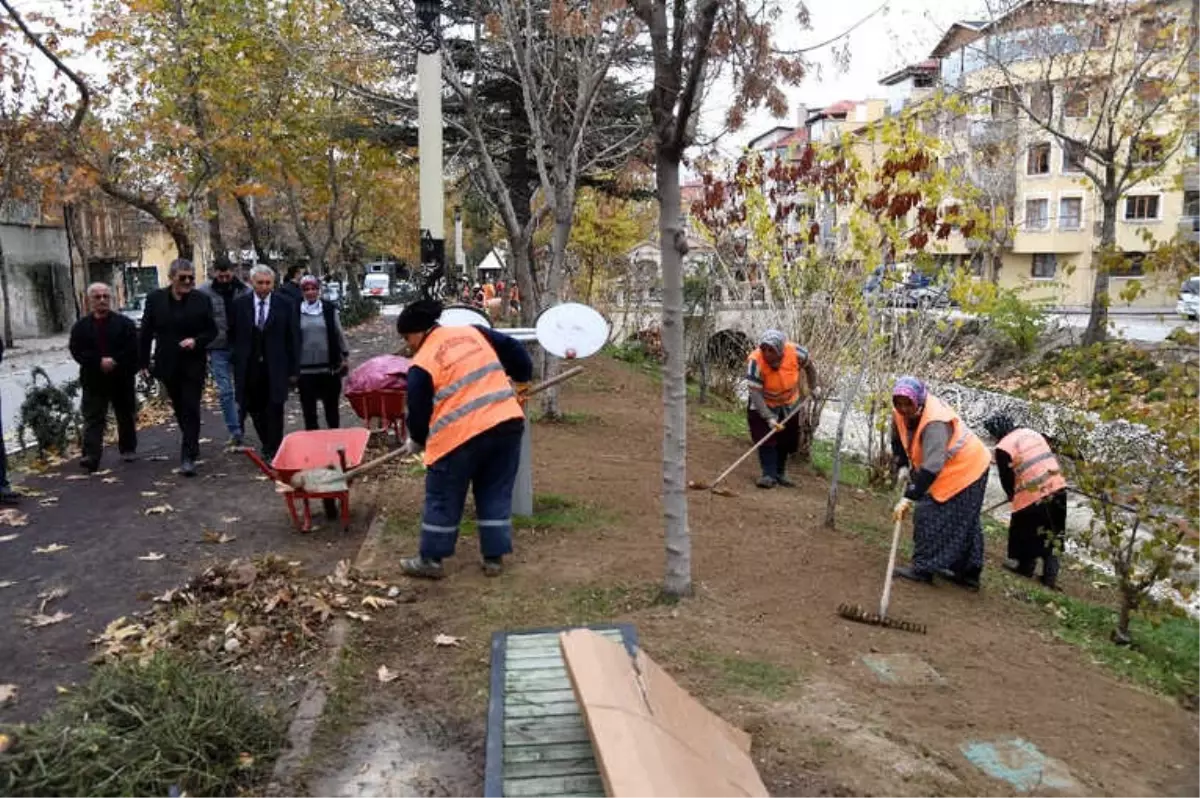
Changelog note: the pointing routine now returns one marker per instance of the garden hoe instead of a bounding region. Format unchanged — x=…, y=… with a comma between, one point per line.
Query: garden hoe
x=854, y=612
x=700, y=485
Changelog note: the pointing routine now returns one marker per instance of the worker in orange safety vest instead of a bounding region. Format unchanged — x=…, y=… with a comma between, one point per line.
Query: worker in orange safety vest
x=780, y=375
x=1032, y=480
x=463, y=412
x=946, y=469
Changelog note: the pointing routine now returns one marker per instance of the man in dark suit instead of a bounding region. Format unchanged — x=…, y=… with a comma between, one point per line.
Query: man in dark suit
x=105, y=345
x=264, y=337
x=178, y=323
x=290, y=285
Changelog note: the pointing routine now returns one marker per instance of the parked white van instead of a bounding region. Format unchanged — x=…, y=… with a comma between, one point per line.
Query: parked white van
x=1189, y=299
x=377, y=285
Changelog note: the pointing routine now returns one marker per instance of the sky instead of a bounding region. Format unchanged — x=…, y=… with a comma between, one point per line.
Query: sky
x=904, y=32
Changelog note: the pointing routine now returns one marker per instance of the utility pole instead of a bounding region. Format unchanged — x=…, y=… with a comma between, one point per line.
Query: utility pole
x=429, y=141
x=460, y=257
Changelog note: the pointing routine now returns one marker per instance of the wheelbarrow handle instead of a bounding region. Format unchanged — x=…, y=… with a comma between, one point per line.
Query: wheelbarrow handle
x=371, y=465
x=262, y=464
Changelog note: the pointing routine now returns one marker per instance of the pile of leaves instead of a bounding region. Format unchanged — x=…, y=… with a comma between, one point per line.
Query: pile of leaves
x=49, y=413
x=260, y=611
x=168, y=726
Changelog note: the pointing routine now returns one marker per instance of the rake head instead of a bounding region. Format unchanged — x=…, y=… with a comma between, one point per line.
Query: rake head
x=854, y=612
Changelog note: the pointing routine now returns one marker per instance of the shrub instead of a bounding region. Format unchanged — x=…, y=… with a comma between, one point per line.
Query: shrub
x=164, y=728
x=358, y=310
x=1020, y=322
x=48, y=411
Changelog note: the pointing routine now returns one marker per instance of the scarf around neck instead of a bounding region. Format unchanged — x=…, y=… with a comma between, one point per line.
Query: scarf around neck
x=311, y=308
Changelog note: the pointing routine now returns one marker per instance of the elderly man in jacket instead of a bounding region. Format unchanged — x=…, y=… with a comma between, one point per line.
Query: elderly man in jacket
x=222, y=289
x=105, y=345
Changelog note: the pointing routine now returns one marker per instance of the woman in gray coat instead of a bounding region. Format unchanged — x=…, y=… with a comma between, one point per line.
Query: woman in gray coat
x=324, y=355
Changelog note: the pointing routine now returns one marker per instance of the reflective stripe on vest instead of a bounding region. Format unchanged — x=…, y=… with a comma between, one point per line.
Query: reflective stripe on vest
x=967, y=459
x=1035, y=468
x=471, y=392
x=781, y=387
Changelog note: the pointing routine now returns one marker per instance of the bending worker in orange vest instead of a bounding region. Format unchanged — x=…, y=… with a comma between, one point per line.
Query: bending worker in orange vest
x=780, y=376
x=947, y=469
x=1033, y=482
x=463, y=412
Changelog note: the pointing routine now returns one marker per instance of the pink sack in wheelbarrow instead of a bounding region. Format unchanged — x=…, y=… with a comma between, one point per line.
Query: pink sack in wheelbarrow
x=379, y=373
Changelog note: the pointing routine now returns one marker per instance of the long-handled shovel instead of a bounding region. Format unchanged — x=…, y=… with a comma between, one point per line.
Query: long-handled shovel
x=700, y=485
x=854, y=612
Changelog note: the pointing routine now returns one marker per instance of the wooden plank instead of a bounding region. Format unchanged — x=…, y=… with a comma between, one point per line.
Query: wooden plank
x=543, y=733
x=551, y=785
x=547, y=753
x=555, y=709
x=580, y=766
x=650, y=736
x=536, y=697
x=535, y=663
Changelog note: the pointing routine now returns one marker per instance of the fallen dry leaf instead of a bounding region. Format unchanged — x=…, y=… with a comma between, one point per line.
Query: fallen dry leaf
x=53, y=594
x=377, y=602
x=38, y=620
x=61, y=689
x=158, y=458
x=153, y=556
x=231, y=519
x=446, y=640
x=206, y=440
x=103, y=473
x=74, y=477
x=149, y=494
x=7, y=693
x=51, y=549
x=110, y=480
x=6, y=583
x=386, y=675
x=160, y=509
x=245, y=760
x=358, y=616
x=49, y=501
x=13, y=517
x=32, y=493
x=6, y=742
x=6, y=538
x=216, y=537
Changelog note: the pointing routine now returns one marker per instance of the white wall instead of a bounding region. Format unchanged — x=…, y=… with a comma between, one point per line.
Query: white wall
x=39, y=280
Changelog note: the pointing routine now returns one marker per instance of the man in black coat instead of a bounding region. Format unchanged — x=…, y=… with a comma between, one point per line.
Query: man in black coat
x=105, y=345
x=178, y=323
x=290, y=286
x=264, y=337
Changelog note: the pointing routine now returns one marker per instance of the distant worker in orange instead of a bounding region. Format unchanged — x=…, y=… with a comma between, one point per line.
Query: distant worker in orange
x=464, y=413
x=946, y=468
x=489, y=291
x=1033, y=482
x=780, y=376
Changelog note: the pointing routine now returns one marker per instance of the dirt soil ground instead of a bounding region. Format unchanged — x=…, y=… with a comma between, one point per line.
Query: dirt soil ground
x=760, y=642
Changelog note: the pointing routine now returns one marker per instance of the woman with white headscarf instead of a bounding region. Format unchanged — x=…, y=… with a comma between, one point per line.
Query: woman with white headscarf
x=780, y=376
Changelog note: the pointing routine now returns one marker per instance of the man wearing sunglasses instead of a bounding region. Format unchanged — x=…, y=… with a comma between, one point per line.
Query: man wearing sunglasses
x=178, y=325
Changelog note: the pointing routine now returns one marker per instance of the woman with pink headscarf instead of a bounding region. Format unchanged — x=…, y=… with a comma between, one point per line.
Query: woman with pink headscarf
x=324, y=355
x=945, y=466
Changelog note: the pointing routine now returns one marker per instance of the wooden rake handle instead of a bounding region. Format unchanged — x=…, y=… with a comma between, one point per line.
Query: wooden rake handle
x=753, y=448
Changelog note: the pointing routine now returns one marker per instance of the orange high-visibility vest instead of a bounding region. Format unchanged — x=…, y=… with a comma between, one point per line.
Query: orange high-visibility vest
x=786, y=385
x=1035, y=468
x=967, y=459
x=489, y=291
x=471, y=392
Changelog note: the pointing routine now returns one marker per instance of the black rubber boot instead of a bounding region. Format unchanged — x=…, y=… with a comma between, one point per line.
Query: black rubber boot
x=781, y=473
x=1050, y=572
x=913, y=575
x=768, y=459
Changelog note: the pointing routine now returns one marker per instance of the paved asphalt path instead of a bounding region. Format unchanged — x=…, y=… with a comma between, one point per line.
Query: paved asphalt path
x=102, y=521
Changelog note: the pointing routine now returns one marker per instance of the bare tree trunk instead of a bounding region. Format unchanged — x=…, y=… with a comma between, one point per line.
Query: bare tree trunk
x=678, y=581
x=835, y=471
x=74, y=246
x=216, y=242
x=252, y=227
x=554, y=279
x=8, y=331
x=1097, y=329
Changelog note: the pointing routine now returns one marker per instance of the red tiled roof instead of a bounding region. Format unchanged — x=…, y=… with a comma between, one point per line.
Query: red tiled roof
x=841, y=107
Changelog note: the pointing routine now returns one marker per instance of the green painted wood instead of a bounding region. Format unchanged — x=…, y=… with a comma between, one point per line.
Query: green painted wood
x=553, y=722
x=546, y=684
x=534, y=697
x=536, y=663
x=539, y=679
x=580, y=766
x=545, y=732
x=547, y=753
x=552, y=785
x=516, y=643
x=555, y=709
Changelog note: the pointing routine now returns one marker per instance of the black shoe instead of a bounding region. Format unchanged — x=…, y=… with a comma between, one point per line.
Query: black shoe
x=89, y=465
x=422, y=568
x=783, y=482
x=187, y=468
x=331, y=508
x=128, y=457
x=913, y=575
x=493, y=566
x=9, y=497
x=968, y=579
x=1018, y=568
x=766, y=483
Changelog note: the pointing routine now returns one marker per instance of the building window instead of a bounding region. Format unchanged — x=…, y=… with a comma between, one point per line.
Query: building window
x=1132, y=265
x=1045, y=265
x=1191, y=208
x=1038, y=162
x=1041, y=100
x=1191, y=147
x=1099, y=34
x=1148, y=93
x=1148, y=35
x=1149, y=150
x=1004, y=103
x=1070, y=213
x=1037, y=214
x=1073, y=157
x=1075, y=104
x=1141, y=207
x=978, y=264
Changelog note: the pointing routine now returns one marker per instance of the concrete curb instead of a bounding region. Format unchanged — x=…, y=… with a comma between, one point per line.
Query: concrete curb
x=312, y=704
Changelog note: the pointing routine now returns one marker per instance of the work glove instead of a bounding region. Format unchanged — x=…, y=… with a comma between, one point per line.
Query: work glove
x=411, y=447
x=522, y=388
x=902, y=510
x=776, y=425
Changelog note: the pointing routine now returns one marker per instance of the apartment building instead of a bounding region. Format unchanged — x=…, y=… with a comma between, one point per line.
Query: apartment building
x=1029, y=70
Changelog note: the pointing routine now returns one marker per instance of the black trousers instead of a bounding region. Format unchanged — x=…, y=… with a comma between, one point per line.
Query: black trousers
x=118, y=392
x=326, y=389
x=266, y=415
x=1036, y=532
x=184, y=390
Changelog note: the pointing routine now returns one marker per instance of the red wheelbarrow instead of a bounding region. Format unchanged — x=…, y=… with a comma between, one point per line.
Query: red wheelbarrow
x=320, y=464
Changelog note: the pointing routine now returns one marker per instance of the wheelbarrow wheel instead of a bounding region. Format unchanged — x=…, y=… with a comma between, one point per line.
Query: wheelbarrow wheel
x=331, y=508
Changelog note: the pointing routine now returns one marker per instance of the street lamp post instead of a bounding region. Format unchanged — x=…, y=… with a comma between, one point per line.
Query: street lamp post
x=460, y=257
x=429, y=138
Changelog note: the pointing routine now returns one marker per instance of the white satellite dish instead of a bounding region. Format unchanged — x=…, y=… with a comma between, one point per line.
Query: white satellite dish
x=463, y=316
x=572, y=330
